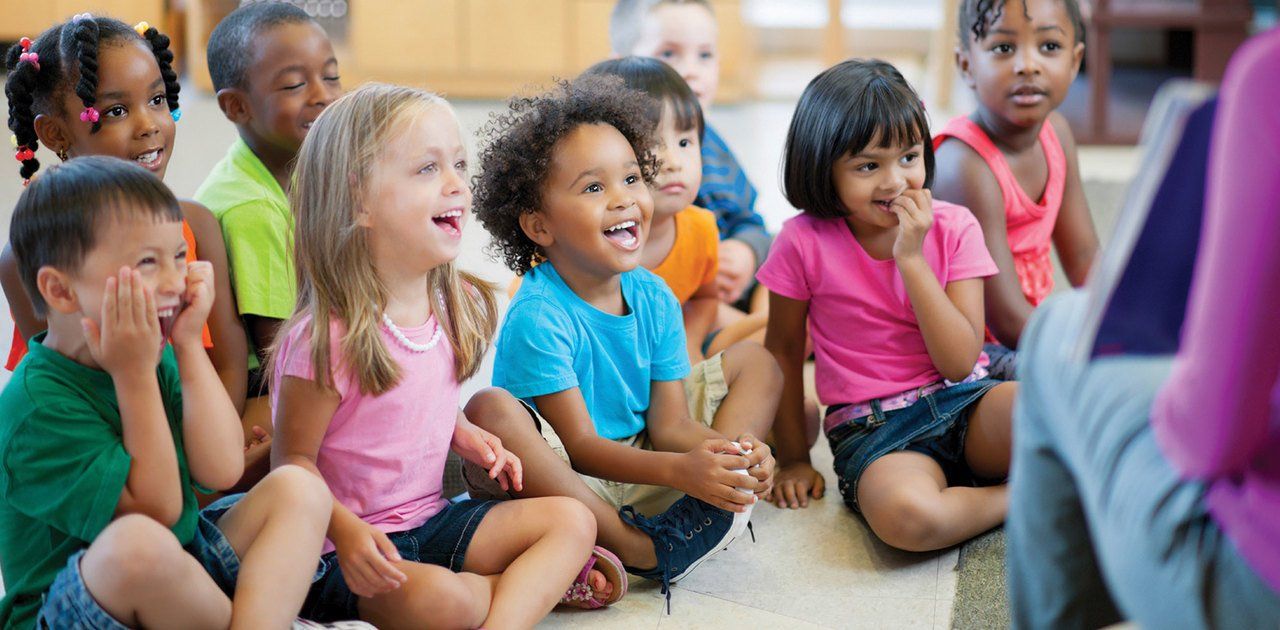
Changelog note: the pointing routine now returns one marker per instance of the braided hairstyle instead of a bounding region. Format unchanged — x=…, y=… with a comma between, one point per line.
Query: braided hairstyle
x=978, y=16
x=68, y=59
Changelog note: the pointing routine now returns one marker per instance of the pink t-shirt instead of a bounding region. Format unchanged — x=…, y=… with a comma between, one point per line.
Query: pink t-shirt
x=865, y=335
x=383, y=456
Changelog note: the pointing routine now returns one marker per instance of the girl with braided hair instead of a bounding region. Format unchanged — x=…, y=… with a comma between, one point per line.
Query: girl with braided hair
x=96, y=86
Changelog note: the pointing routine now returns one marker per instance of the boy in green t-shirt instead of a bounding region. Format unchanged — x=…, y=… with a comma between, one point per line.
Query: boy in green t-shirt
x=274, y=71
x=105, y=430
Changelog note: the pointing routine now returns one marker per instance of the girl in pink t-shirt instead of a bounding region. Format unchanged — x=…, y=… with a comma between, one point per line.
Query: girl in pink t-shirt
x=890, y=283
x=367, y=378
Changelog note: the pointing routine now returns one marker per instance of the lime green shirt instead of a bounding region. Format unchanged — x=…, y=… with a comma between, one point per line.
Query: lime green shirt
x=63, y=467
x=258, y=229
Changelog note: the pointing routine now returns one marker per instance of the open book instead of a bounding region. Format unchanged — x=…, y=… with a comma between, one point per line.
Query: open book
x=1138, y=290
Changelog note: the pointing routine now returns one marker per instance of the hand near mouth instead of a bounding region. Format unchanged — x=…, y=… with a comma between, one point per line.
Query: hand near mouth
x=127, y=340
x=915, y=216
x=197, y=301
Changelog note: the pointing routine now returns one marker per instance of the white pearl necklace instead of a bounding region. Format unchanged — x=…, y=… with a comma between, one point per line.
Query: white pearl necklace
x=408, y=343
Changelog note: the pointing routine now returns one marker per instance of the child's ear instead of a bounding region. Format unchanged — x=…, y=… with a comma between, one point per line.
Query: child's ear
x=1077, y=55
x=52, y=132
x=234, y=103
x=55, y=288
x=962, y=64
x=534, y=225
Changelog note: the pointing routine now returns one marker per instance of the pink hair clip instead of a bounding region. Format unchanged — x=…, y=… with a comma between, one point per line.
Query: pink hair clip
x=30, y=58
x=24, y=153
x=89, y=115
x=25, y=43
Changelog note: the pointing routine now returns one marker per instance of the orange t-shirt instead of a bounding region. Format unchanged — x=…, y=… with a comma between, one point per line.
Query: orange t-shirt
x=19, y=347
x=695, y=256
x=693, y=260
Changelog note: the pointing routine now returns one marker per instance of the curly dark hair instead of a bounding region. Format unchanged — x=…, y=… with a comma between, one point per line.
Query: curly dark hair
x=518, y=146
x=977, y=17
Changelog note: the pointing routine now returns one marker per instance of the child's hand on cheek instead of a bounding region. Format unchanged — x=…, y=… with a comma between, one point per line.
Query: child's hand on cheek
x=915, y=216
x=127, y=342
x=197, y=300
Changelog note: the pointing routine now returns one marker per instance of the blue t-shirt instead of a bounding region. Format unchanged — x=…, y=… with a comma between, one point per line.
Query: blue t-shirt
x=552, y=340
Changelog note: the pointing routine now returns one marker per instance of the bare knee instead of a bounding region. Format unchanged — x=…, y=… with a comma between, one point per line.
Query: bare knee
x=296, y=489
x=571, y=517
x=443, y=601
x=748, y=358
x=134, y=552
x=496, y=411
x=907, y=521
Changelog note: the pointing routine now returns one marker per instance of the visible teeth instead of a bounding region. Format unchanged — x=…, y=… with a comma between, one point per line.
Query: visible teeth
x=167, y=312
x=622, y=226
x=450, y=214
x=149, y=157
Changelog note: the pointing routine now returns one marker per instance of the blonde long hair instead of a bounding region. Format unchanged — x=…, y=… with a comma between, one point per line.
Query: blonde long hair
x=336, y=274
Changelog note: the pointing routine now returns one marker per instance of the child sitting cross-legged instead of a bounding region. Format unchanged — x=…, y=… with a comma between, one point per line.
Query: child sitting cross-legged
x=593, y=342
x=106, y=430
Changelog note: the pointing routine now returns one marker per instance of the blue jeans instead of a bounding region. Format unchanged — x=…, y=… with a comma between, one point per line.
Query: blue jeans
x=1101, y=527
x=68, y=605
x=442, y=541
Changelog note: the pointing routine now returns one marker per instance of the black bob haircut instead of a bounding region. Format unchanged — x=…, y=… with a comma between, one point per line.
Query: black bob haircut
x=59, y=216
x=232, y=42
x=841, y=111
x=660, y=81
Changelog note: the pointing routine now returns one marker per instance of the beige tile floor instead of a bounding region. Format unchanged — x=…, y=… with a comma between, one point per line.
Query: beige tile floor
x=814, y=568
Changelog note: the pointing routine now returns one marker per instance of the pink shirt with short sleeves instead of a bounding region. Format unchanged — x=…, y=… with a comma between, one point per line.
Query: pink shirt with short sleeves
x=866, y=338
x=383, y=456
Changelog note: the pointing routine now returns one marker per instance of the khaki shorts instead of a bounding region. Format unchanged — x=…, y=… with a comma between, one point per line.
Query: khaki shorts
x=704, y=389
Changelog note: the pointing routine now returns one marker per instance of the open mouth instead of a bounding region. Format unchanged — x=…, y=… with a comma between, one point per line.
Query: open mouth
x=625, y=235
x=167, y=317
x=149, y=160
x=307, y=125
x=450, y=222
x=885, y=205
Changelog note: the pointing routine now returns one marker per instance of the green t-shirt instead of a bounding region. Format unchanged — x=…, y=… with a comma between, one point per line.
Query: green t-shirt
x=258, y=229
x=63, y=467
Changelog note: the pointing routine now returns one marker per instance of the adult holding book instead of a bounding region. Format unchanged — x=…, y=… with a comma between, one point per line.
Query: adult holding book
x=1148, y=487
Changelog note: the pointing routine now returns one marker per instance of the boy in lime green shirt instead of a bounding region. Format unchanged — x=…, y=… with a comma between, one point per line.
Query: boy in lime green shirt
x=274, y=71
x=106, y=430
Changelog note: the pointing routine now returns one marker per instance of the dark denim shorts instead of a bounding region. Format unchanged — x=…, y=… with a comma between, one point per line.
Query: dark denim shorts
x=442, y=541
x=935, y=426
x=69, y=605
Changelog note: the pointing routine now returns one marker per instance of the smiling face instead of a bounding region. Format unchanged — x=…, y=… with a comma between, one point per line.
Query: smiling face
x=596, y=205
x=1022, y=69
x=138, y=240
x=870, y=180
x=680, y=174
x=417, y=199
x=135, y=120
x=292, y=78
x=684, y=36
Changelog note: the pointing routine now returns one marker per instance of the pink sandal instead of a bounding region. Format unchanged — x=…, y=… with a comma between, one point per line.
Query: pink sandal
x=580, y=593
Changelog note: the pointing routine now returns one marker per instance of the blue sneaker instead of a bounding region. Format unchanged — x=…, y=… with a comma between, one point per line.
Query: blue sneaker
x=684, y=536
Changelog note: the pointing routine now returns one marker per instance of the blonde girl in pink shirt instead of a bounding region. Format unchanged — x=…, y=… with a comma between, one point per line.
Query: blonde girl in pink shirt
x=367, y=378
x=890, y=284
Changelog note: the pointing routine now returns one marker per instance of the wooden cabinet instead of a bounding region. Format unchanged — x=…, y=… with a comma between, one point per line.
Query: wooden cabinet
x=494, y=48
x=29, y=18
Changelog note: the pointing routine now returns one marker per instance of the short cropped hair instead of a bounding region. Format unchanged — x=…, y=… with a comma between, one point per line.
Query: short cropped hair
x=59, y=216
x=232, y=41
x=840, y=112
x=627, y=19
x=977, y=16
x=662, y=83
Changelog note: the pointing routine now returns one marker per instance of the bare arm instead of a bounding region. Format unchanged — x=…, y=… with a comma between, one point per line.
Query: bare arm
x=669, y=424
x=24, y=314
x=950, y=320
x=964, y=179
x=263, y=330
x=699, y=318
x=230, y=348
x=784, y=338
x=597, y=456
x=1073, y=235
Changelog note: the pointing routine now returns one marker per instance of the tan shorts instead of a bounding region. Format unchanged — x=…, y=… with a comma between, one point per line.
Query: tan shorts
x=704, y=389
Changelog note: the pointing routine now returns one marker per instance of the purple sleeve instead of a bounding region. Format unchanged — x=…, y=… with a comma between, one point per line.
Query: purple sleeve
x=1214, y=412
x=783, y=271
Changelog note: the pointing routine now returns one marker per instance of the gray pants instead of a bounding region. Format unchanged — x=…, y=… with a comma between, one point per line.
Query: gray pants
x=1101, y=527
